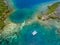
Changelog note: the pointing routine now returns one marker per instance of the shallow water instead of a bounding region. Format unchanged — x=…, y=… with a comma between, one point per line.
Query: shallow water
x=44, y=36
x=24, y=9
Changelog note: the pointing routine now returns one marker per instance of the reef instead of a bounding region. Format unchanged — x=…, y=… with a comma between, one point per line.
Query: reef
x=11, y=33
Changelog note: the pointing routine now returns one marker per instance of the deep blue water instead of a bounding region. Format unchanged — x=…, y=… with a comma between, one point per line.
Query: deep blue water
x=28, y=3
x=21, y=15
x=44, y=36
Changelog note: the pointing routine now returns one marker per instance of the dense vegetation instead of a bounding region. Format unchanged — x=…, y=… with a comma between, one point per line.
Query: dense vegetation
x=3, y=7
x=51, y=11
x=52, y=7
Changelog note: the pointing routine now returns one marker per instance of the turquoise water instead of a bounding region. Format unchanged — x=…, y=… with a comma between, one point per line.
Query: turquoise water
x=44, y=36
x=25, y=10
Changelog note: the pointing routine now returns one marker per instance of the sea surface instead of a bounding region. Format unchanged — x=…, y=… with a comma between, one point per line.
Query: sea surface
x=43, y=35
x=24, y=9
x=28, y=3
